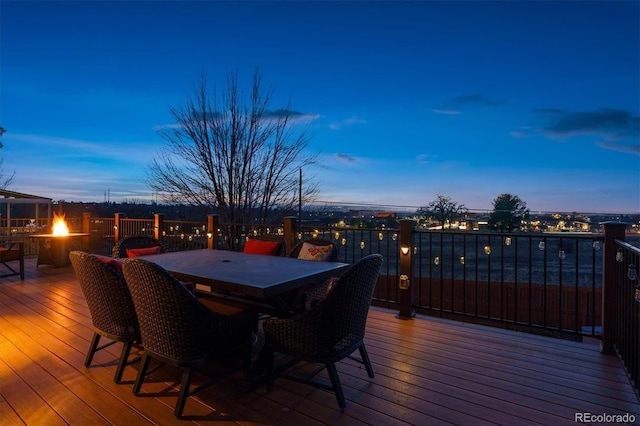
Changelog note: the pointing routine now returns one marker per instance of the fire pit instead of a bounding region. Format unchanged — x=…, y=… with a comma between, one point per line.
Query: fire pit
x=54, y=248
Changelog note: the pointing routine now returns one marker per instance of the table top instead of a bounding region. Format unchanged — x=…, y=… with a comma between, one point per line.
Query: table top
x=255, y=275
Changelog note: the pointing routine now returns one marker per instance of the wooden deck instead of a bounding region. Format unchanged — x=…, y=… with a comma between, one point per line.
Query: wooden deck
x=428, y=371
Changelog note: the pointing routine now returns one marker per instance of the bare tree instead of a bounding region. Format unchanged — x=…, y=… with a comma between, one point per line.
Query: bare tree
x=229, y=152
x=5, y=180
x=443, y=209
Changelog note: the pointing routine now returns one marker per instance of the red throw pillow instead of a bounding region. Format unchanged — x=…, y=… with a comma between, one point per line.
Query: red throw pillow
x=143, y=251
x=261, y=247
x=115, y=263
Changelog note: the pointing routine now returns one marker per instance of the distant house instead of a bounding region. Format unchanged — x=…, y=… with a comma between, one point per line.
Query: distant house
x=362, y=213
x=475, y=223
x=385, y=215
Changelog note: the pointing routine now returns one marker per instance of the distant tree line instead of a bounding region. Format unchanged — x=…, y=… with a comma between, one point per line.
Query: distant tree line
x=510, y=213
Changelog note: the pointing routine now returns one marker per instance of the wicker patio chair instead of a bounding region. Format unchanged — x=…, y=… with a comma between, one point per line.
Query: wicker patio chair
x=305, y=297
x=178, y=330
x=136, y=242
x=110, y=305
x=327, y=333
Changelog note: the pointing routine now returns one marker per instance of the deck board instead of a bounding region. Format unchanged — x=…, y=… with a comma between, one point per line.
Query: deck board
x=429, y=371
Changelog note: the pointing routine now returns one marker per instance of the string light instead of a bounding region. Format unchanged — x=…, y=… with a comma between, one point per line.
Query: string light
x=631, y=272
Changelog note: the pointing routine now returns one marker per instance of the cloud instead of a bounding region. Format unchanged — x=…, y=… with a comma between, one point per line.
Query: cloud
x=474, y=99
x=455, y=105
x=294, y=117
x=614, y=129
x=32, y=151
x=446, y=111
x=337, y=125
x=346, y=158
x=617, y=124
x=166, y=126
x=424, y=158
x=523, y=132
x=621, y=147
x=55, y=142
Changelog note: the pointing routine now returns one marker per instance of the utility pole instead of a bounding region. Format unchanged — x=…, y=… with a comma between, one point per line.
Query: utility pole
x=300, y=199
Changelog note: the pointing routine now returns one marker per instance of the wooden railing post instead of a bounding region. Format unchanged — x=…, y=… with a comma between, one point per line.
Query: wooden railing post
x=158, y=225
x=212, y=231
x=612, y=231
x=405, y=292
x=290, y=230
x=116, y=226
x=86, y=229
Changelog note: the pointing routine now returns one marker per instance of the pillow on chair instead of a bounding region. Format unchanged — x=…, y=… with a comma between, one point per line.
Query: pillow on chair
x=255, y=246
x=143, y=251
x=313, y=252
x=114, y=263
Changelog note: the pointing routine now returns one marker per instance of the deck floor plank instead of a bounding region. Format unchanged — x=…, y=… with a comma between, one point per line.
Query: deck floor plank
x=429, y=371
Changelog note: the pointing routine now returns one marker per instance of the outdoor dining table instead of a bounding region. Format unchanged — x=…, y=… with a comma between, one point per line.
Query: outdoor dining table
x=254, y=278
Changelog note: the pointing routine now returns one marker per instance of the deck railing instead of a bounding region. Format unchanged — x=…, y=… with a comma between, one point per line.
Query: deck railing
x=622, y=305
x=538, y=282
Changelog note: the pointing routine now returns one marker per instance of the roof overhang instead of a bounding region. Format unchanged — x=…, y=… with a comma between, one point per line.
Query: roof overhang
x=12, y=197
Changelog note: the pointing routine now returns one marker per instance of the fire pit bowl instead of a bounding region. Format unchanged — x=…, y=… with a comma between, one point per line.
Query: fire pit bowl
x=54, y=249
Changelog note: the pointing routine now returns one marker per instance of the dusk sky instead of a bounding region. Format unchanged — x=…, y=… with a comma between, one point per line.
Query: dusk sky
x=404, y=100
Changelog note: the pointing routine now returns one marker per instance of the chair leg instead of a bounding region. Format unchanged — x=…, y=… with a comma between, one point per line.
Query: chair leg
x=184, y=391
x=124, y=358
x=266, y=357
x=144, y=365
x=365, y=361
x=335, y=382
x=92, y=349
x=247, y=350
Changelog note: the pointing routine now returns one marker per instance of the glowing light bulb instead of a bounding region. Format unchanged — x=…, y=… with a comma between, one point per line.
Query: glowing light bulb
x=631, y=273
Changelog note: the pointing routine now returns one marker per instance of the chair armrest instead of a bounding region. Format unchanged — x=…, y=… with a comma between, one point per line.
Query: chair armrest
x=9, y=252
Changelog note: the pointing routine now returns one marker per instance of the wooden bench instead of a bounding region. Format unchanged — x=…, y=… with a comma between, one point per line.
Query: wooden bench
x=11, y=252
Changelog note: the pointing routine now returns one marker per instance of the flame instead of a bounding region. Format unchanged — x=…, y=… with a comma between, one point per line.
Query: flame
x=59, y=226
